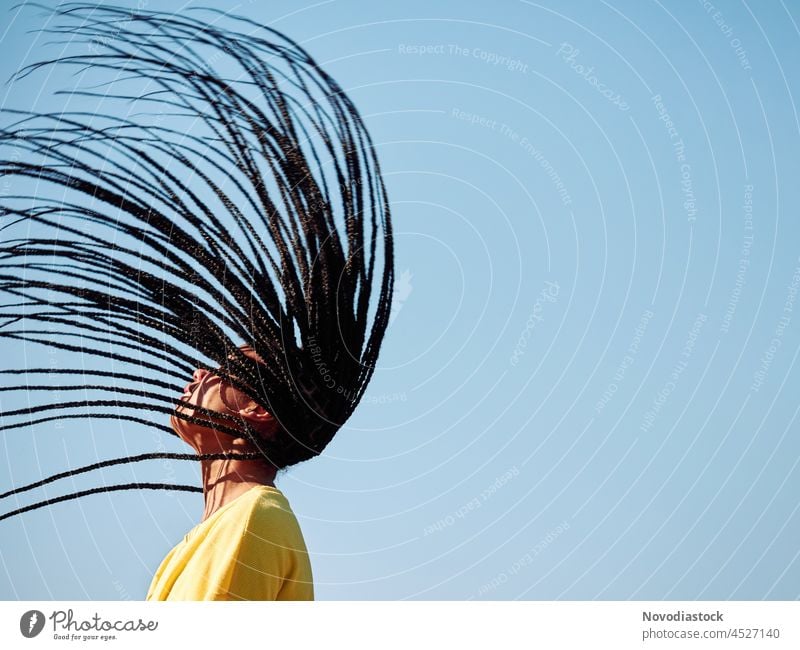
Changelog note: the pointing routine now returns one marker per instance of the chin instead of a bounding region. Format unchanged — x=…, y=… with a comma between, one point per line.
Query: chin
x=177, y=426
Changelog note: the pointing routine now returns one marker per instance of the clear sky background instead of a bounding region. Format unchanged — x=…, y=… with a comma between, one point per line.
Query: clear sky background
x=589, y=386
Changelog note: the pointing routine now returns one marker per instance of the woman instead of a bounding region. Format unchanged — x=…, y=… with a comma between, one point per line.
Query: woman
x=227, y=192
x=248, y=545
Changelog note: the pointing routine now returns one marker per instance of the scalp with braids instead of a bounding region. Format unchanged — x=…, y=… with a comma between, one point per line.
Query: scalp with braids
x=230, y=195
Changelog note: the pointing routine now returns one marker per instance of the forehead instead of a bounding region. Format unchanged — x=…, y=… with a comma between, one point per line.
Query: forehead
x=249, y=352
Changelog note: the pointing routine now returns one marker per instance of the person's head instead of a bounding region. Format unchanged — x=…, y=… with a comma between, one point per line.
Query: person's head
x=231, y=408
x=254, y=212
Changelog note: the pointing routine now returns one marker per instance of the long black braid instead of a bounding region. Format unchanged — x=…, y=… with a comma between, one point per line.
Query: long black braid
x=244, y=205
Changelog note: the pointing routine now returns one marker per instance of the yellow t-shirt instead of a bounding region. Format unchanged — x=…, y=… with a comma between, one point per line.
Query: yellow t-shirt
x=250, y=549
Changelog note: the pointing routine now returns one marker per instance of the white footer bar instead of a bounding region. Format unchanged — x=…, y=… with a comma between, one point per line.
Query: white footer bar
x=402, y=625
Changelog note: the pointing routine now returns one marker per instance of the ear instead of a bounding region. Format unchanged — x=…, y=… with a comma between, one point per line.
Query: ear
x=260, y=419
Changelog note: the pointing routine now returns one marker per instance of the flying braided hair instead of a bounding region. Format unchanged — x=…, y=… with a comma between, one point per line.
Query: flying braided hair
x=232, y=196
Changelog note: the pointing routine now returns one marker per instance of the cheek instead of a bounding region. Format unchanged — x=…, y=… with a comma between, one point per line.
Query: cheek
x=211, y=400
x=179, y=425
x=233, y=399
x=206, y=397
x=194, y=395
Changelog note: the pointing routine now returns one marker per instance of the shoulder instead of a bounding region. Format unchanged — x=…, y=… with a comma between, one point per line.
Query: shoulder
x=265, y=515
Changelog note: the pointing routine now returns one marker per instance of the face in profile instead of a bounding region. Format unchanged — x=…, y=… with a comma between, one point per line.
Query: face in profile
x=209, y=391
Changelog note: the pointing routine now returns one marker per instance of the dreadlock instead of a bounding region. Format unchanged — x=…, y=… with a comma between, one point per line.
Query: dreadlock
x=243, y=203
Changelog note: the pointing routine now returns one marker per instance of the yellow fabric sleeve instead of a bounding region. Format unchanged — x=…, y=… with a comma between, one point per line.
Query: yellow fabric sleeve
x=250, y=549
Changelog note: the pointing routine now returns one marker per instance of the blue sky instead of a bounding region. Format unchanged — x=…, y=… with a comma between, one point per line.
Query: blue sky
x=585, y=390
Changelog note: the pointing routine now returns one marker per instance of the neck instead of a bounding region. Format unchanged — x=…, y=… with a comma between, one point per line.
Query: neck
x=226, y=479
